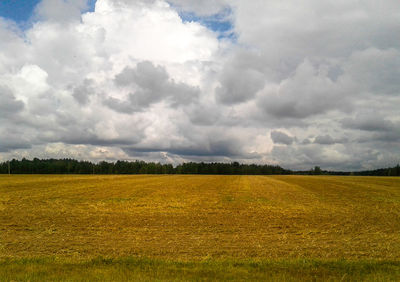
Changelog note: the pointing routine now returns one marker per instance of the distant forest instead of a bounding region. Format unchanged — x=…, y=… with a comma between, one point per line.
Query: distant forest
x=70, y=166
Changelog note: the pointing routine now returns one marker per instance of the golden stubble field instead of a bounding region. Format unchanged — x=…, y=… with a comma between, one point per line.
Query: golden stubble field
x=195, y=217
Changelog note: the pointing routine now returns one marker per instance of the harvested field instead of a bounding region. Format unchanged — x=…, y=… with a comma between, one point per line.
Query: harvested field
x=197, y=218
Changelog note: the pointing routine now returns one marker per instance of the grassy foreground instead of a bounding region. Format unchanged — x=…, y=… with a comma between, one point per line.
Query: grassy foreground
x=196, y=227
x=136, y=269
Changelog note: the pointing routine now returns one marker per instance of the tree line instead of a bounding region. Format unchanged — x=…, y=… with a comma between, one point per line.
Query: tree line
x=71, y=166
x=390, y=171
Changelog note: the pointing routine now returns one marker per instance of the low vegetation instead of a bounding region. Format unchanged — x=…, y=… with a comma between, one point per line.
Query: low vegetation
x=189, y=227
x=139, y=269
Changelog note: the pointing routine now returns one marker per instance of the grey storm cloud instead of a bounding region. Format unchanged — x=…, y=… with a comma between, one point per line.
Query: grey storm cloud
x=138, y=78
x=8, y=144
x=83, y=92
x=9, y=105
x=87, y=136
x=324, y=140
x=376, y=70
x=388, y=137
x=203, y=114
x=368, y=122
x=307, y=93
x=146, y=75
x=119, y=105
x=13, y=139
x=213, y=148
x=280, y=137
x=152, y=85
x=239, y=85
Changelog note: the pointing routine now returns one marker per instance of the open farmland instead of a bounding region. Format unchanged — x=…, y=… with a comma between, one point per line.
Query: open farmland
x=290, y=226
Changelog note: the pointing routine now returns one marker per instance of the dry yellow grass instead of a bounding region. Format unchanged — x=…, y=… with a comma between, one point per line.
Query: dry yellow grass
x=196, y=217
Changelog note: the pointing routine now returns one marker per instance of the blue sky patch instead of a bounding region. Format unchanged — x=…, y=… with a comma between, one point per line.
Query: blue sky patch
x=91, y=5
x=17, y=10
x=219, y=23
x=21, y=11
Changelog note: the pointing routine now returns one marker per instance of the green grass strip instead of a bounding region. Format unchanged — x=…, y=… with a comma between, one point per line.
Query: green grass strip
x=142, y=269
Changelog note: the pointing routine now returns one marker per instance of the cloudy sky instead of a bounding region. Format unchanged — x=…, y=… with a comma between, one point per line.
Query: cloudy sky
x=294, y=83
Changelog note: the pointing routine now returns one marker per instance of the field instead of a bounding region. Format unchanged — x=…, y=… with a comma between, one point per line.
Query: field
x=192, y=227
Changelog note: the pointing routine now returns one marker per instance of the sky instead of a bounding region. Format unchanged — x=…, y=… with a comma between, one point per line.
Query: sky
x=297, y=84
